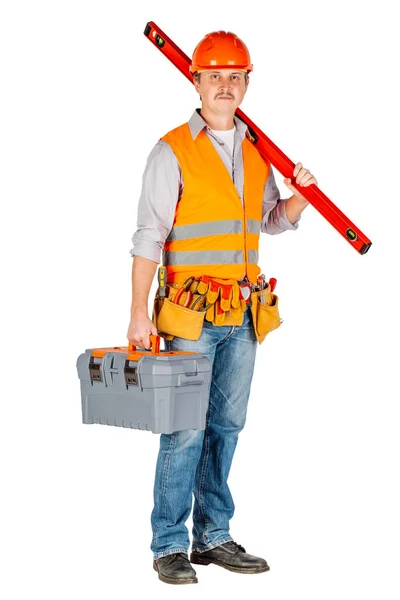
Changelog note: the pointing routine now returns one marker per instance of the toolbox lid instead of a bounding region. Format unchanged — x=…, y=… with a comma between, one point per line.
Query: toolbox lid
x=173, y=370
x=173, y=363
x=165, y=369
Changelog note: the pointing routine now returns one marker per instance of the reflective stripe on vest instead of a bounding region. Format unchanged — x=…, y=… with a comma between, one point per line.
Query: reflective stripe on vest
x=213, y=233
x=208, y=257
x=184, y=232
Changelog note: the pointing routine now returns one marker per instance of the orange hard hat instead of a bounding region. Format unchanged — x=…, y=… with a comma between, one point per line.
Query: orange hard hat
x=221, y=50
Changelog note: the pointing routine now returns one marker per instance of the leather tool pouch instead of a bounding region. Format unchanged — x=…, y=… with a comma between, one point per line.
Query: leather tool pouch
x=176, y=320
x=265, y=316
x=158, y=302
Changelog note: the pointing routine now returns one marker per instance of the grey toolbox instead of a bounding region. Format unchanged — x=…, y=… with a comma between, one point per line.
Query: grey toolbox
x=159, y=391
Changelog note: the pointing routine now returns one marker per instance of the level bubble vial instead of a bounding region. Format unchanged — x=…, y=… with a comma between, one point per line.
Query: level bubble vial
x=351, y=235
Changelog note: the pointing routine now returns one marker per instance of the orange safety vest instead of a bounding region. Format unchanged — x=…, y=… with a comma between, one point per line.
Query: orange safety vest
x=213, y=233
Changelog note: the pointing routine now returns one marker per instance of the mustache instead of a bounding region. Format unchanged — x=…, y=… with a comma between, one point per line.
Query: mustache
x=224, y=96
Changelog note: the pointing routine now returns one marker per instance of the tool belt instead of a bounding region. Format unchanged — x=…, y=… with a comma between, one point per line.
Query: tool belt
x=181, y=312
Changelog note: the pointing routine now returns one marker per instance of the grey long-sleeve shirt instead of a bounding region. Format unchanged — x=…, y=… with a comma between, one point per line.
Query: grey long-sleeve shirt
x=162, y=187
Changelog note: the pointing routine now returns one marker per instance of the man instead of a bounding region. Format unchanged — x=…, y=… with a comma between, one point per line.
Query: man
x=193, y=188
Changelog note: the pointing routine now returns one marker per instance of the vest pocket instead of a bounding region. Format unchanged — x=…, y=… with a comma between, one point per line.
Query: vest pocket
x=265, y=316
x=177, y=320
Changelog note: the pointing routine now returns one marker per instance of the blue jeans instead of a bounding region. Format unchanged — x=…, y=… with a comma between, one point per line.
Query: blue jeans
x=198, y=462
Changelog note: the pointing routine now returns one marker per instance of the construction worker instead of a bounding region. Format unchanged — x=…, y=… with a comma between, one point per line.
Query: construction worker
x=192, y=196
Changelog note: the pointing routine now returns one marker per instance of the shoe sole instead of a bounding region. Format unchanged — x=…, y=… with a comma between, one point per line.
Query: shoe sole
x=174, y=580
x=207, y=561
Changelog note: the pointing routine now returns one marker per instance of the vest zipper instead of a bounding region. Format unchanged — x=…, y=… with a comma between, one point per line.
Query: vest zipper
x=244, y=214
x=245, y=234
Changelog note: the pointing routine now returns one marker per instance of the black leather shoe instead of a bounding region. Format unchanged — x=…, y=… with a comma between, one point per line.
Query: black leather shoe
x=231, y=556
x=175, y=568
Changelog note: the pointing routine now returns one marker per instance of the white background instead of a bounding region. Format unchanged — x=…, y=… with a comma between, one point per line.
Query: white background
x=85, y=96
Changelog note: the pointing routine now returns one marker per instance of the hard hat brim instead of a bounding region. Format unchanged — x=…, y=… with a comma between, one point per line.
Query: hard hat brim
x=199, y=69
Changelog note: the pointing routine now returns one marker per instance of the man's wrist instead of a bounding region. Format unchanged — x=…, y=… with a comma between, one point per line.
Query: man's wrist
x=138, y=310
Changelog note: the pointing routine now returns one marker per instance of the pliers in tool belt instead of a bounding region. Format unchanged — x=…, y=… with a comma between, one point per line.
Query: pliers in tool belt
x=185, y=288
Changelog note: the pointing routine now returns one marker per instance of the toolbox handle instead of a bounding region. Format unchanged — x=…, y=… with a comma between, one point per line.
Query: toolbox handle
x=189, y=380
x=154, y=341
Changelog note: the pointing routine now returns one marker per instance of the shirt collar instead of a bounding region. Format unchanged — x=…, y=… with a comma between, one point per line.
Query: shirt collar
x=197, y=123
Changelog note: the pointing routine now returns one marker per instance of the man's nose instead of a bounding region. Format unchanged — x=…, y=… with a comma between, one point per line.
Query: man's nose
x=225, y=85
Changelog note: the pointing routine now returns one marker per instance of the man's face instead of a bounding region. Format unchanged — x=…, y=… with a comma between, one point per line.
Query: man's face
x=222, y=91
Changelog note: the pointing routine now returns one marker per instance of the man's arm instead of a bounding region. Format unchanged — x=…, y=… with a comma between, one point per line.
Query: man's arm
x=143, y=271
x=297, y=203
x=275, y=217
x=281, y=215
x=156, y=212
x=294, y=207
x=161, y=187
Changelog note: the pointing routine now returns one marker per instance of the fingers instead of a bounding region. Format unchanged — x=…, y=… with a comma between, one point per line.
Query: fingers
x=306, y=178
x=297, y=168
x=288, y=183
x=142, y=340
x=303, y=176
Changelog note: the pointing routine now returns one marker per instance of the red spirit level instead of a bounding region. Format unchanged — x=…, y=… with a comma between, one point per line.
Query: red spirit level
x=269, y=150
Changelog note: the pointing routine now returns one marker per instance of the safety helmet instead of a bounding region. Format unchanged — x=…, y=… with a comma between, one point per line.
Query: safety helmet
x=221, y=50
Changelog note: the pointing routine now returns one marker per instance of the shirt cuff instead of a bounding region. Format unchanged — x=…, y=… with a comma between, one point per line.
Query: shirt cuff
x=149, y=250
x=277, y=221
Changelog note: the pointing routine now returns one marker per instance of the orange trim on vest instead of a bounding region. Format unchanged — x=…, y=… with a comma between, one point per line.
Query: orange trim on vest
x=209, y=195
